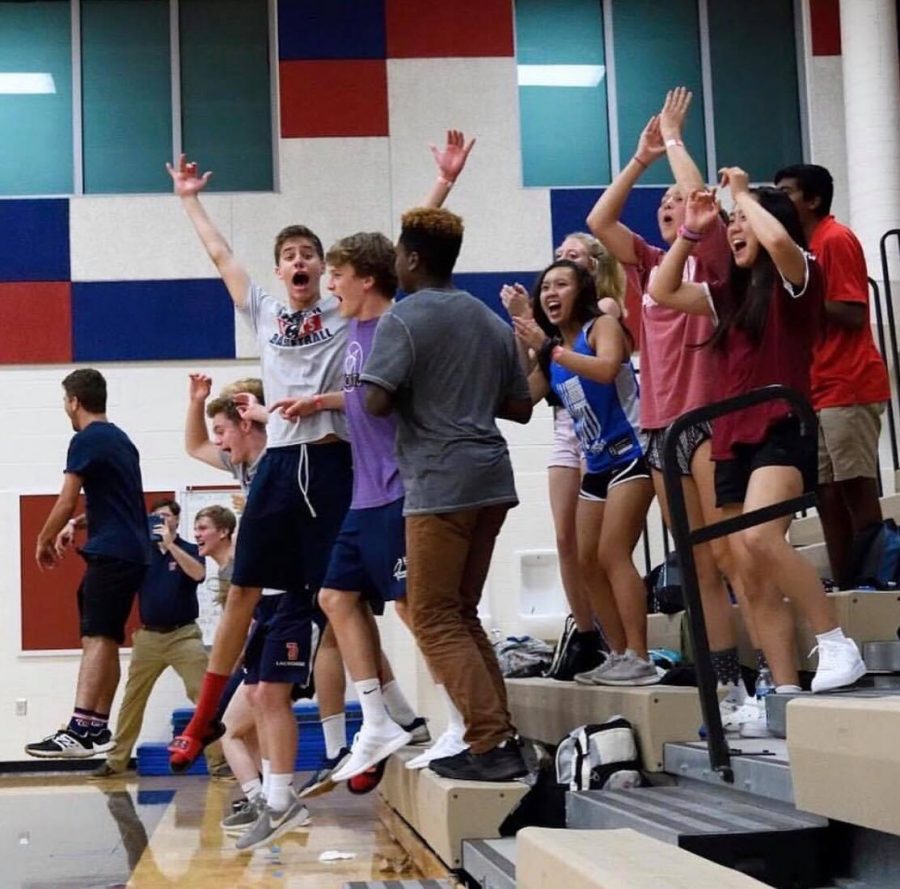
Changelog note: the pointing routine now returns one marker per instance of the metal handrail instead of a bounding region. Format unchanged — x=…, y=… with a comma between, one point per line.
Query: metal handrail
x=685, y=539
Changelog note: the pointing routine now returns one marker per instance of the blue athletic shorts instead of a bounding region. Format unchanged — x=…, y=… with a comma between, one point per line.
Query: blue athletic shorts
x=369, y=555
x=283, y=643
x=286, y=535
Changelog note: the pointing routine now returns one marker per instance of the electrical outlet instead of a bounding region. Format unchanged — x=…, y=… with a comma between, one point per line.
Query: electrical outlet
x=21, y=706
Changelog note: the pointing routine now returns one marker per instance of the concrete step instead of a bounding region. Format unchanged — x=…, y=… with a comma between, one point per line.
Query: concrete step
x=805, y=531
x=767, y=839
x=761, y=766
x=882, y=657
x=777, y=705
x=490, y=864
x=401, y=884
x=546, y=710
x=442, y=812
x=615, y=859
x=845, y=759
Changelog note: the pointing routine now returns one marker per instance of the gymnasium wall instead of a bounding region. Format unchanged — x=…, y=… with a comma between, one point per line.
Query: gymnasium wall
x=120, y=282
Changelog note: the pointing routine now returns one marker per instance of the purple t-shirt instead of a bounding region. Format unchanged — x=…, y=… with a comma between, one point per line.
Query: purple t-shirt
x=376, y=476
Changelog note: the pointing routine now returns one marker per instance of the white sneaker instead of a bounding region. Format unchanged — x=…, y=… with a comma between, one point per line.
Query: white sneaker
x=752, y=719
x=370, y=746
x=840, y=664
x=730, y=705
x=448, y=744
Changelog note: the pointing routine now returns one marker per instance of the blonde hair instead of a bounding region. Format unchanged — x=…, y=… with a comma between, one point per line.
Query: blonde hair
x=605, y=269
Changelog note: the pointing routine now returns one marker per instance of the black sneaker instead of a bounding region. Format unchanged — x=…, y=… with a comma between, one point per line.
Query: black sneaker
x=503, y=763
x=418, y=728
x=64, y=744
x=320, y=781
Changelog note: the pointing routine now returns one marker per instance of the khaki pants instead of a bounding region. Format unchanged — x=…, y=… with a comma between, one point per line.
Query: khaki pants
x=447, y=559
x=151, y=653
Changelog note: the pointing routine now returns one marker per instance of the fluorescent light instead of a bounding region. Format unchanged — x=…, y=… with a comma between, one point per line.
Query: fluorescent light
x=561, y=75
x=26, y=83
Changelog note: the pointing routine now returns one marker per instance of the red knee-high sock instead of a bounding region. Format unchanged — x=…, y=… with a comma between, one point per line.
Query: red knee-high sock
x=207, y=704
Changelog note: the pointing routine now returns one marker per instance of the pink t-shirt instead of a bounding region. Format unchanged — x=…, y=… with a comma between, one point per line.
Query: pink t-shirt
x=676, y=376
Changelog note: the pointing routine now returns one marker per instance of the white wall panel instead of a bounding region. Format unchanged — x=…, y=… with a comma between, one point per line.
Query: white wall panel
x=827, y=128
x=507, y=227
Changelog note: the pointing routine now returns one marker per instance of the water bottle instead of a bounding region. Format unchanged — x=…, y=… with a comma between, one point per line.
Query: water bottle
x=765, y=684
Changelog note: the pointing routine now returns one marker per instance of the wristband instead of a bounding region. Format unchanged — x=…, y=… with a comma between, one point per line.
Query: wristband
x=636, y=159
x=689, y=235
x=445, y=181
x=317, y=402
x=671, y=143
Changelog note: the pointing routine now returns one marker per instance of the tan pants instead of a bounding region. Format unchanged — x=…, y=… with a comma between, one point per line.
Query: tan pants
x=151, y=653
x=447, y=561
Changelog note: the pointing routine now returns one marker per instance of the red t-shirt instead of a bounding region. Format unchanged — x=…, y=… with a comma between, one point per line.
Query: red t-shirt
x=677, y=377
x=783, y=356
x=847, y=367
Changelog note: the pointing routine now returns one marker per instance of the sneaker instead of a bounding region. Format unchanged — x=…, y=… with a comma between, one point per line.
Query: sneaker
x=629, y=669
x=103, y=741
x=446, y=745
x=751, y=719
x=63, y=744
x=322, y=779
x=840, y=664
x=418, y=728
x=244, y=817
x=592, y=677
x=370, y=747
x=368, y=780
x=730, y=706
x=105, y=770
x=502, y=763
x=270, y=825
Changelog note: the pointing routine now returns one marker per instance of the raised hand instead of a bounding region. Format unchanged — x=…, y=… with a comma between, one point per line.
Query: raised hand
x=249, y=408
x=516, y=301
x=701, y=210
x=530, y=334
x=734, y=178
x=452, y=159
x=187, y=182
x=674, y=112
x=651, y=145
x=199, y=387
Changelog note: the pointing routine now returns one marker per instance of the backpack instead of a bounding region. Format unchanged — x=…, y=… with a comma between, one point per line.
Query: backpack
x=599, y=757
x=876, y=556
x=522, y=656
x=664, y=595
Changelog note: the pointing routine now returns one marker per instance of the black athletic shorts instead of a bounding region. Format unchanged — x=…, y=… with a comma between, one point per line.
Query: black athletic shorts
x=106, y=595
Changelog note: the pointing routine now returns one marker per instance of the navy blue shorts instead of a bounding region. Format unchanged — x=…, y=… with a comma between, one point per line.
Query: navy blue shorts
x=106, y=595
x=285, y=535
x=369, y=555
x=283, y=643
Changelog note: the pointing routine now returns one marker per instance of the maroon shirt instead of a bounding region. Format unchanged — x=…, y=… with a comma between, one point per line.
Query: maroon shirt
x=783, y=355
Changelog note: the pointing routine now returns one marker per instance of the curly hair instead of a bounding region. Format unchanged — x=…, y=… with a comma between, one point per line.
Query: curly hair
x=436, y=235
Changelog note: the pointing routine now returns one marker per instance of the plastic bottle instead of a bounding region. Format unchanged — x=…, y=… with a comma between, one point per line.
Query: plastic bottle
x=765, y=684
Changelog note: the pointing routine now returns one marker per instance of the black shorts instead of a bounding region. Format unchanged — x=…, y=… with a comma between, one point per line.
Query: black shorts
x=782, y=446
x=596, y=486
x=688, y=442
x=106, y=595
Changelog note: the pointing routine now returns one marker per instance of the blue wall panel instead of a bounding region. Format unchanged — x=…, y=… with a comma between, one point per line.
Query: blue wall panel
x=331, y=29
x=151, y=320
x=569, y=208
x=34, y=240
x=486, y=286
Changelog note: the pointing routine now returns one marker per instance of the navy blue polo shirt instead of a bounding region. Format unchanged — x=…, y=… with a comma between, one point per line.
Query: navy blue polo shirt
x=168, y=596
x=110, y=470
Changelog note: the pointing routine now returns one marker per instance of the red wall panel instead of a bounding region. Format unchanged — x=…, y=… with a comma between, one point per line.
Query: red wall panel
x=35, y=323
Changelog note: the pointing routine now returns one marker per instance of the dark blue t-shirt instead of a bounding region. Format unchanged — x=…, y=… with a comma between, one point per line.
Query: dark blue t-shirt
x=109, y=466
x=168, y=596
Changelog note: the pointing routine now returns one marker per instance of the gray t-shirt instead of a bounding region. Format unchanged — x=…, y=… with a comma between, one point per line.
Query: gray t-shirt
x=302, y=354
x=451, y=363
x=243, y=472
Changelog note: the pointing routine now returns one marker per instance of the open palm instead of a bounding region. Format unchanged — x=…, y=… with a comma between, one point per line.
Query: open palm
x=184, y=176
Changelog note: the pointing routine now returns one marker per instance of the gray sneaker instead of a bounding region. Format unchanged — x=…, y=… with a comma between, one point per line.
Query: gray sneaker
x=243, y=818
x=592, y=677
x=270, y=825
x=629, y=669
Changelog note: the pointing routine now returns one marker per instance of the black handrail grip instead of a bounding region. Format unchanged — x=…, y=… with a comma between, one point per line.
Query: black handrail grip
x=889, y=299
x=755, y=517
x=882, y=350
x=719, y=754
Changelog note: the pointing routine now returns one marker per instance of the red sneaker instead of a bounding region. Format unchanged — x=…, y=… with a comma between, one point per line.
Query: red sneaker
x=368, y=780
x=184, y=749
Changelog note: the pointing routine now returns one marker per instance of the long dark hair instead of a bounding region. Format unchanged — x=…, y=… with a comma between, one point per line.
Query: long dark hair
x=585, y=300
x=751, y=289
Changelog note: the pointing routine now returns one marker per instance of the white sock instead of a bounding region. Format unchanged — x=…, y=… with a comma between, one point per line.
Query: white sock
x=334, y=728
x=252, y=789
x=396, y=703
x=267, y=774
x=279, y=796
x=835, y=635
x=455, y=721
x=788, y=689
x=371, y=701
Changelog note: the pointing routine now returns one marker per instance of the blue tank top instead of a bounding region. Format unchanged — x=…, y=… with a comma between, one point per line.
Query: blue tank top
x=605, y=415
